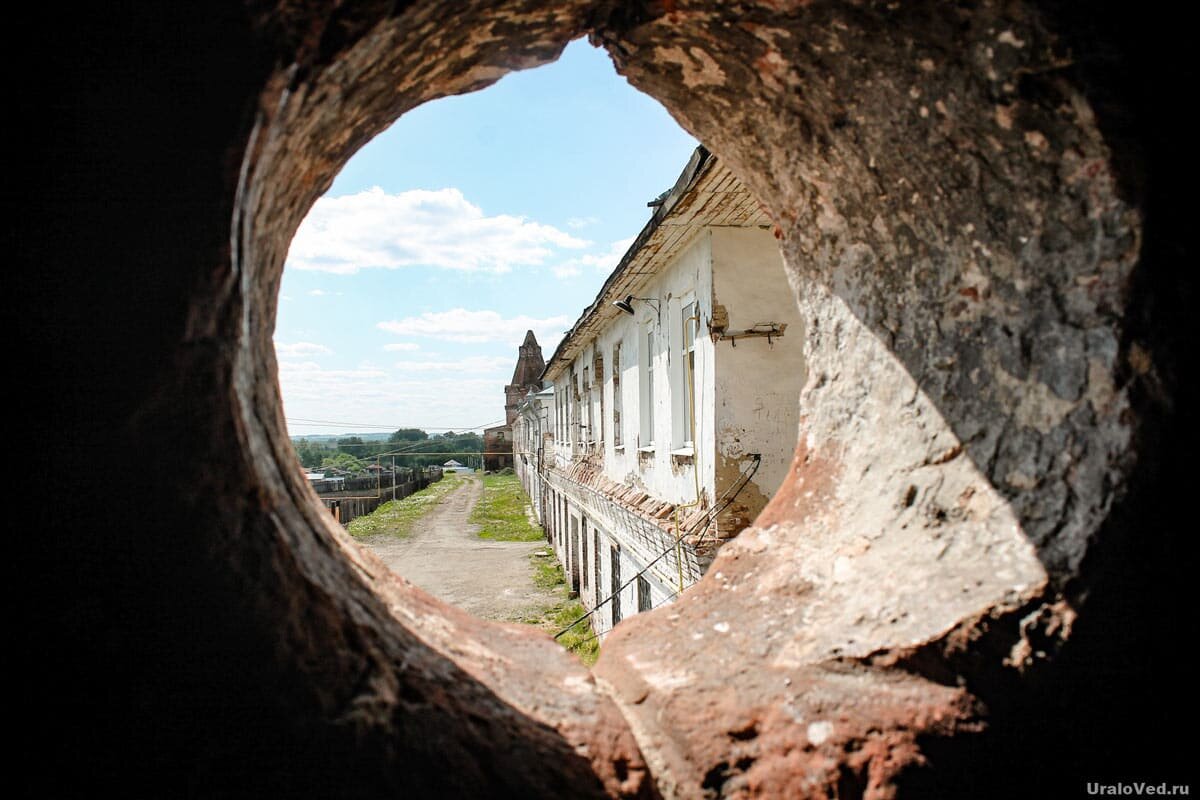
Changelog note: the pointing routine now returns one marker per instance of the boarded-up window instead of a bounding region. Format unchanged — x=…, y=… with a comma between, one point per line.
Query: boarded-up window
x=615, y=558
x=573, y=555
x=583, y=553
x=643, y=589
x=598, y=565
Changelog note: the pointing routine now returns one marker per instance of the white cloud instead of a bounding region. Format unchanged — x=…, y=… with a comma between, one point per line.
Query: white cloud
x=317, y=292
x=373, y=229
x=374, y=396
x=575, y=223
x=460, y=325
x=316, y=374
x=564, y=271
x=402, y=347
x=300, y=349
x=470, y=364
x=606, y=262
x=601, y=262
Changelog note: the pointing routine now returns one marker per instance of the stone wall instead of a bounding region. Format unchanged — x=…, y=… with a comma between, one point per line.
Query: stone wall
x=981, y=207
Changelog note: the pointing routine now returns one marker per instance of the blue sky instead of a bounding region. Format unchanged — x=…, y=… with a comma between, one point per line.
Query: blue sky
x=412, y=281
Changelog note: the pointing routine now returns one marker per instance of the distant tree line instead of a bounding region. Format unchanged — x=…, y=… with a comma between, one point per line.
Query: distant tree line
x=352, y=455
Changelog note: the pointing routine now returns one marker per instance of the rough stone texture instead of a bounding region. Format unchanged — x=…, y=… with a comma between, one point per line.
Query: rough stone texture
x=980, y=210
x=955, y=233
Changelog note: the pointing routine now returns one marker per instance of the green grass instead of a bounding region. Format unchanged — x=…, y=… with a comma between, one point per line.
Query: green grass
x=502, y=512
x=580, y=640
x=548, y=575
x=397, y=517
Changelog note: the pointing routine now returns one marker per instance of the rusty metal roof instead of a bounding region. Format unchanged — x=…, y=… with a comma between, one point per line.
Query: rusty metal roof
x=706, y=194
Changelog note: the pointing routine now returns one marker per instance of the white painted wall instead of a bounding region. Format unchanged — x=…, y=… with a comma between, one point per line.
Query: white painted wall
x=534, y=420
x=635, y=554
x=757, y=384
x=656, y=469
x=746, y=402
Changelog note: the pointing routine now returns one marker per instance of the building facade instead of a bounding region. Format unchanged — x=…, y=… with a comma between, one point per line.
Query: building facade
x=667, y=423
x=533, y=439
x=497, y=448
x=498, y=445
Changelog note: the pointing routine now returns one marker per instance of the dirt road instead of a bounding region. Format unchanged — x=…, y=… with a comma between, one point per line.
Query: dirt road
x=445, y=556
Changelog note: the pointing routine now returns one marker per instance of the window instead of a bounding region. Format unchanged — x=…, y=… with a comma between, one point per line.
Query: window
x=598, y=564
x=618, y=440
x=643, y=587
x=615, y=560
x=583, y=559
x=573, y=555
x=574, y=418
x=647, y=439
x=590, y=433
x=598, y=395
x=687, y=367
x=558, y=415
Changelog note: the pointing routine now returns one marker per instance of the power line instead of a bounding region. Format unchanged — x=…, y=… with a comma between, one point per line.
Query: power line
x=326, y=423
x=598, y=634
x=707, y=519
x=331, y=446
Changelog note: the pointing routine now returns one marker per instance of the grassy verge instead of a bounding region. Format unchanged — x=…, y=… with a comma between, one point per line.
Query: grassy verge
x=501, y=513
x=580, y=640
x=396, y=517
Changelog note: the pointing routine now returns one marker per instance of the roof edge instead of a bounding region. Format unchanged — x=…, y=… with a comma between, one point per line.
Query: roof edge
x=700, y=160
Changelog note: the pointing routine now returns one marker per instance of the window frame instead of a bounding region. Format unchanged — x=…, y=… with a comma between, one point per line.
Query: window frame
x=685, y=437
x=617, y=428
x=649, y=346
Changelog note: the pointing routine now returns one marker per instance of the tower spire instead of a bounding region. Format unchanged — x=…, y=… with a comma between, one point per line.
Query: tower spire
x=526, y=376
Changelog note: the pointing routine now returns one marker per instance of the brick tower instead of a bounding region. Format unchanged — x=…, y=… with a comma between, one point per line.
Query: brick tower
x=527, y=375
x=498, y=441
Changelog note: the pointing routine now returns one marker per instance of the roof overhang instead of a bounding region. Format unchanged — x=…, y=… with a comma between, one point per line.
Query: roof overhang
x=705, y=194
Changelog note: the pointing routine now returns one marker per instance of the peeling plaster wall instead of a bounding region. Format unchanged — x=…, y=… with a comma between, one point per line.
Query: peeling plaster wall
x=757, y=382
x=532, y=427
x=962, y=250
x=895, y=534
x=635, y=553
x=657, y=472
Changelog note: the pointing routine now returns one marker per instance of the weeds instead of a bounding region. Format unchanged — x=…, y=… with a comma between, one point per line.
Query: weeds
x=502, y=514
x=397, y=517
x=580, y=640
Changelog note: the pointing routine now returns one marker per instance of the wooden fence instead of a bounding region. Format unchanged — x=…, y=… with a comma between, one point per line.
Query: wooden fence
x=363, y=495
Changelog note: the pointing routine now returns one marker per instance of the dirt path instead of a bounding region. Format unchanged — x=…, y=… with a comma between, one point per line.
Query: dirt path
x=445, y=556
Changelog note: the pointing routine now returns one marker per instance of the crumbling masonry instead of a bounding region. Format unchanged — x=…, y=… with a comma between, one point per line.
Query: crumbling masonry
x=970, y=581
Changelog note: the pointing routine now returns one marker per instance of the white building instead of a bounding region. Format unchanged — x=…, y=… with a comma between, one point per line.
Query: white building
x=668, y=428
x=533, y=441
